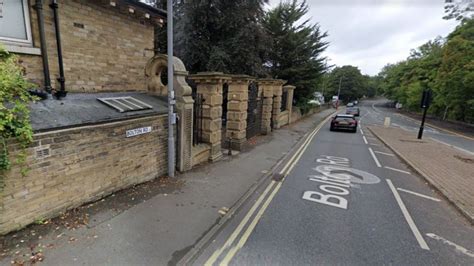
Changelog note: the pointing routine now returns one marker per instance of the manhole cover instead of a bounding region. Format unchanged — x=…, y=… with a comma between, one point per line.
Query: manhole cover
x=466, y=160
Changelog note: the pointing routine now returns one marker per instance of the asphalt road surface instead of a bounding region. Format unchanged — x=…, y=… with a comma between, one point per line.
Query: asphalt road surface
x=377, y=113
x=345, y=199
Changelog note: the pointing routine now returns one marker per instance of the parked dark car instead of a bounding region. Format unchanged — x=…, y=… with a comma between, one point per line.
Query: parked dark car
x=344, y=122
x=353, y=111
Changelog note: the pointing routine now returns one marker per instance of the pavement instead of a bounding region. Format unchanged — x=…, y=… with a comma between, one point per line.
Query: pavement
x=449, y=170
x=344, y=199
x=156, y=227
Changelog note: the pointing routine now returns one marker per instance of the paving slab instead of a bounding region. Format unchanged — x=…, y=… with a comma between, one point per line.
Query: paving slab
x=449, y=170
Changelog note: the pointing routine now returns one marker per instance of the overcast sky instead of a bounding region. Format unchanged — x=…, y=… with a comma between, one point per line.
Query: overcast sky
x=371, y=33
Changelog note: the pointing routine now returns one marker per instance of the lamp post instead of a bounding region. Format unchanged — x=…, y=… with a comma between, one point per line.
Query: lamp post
x=171, y=100
x=339, y=92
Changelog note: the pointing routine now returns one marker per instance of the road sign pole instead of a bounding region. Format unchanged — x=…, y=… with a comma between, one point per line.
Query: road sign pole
x=425, y=103
x=420, y=133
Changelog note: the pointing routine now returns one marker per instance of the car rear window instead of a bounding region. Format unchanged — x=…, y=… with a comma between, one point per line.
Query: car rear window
x=339, y=119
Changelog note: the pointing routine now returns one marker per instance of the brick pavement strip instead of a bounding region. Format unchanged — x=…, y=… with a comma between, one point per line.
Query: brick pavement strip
x=447, y=169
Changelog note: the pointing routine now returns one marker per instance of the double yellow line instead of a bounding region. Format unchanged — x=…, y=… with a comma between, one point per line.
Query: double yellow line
x=271, y=187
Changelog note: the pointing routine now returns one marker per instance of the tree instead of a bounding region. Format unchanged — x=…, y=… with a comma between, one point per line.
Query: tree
x=456, y=73
x=443, y=65
x=458, y=9
x=295, y=51
x=219, y=35
x=352, y=84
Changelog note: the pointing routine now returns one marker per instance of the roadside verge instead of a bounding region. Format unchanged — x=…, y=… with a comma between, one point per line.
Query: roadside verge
x=445, y=168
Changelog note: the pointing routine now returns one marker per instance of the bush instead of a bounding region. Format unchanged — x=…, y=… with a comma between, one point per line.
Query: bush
x=14, y=112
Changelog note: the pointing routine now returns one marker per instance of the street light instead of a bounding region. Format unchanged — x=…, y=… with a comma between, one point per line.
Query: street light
x=171, y=100
x=339, y=92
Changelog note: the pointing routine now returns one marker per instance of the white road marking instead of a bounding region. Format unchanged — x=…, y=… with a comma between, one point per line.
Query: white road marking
x=375, y=109
x=365, y=140
x=285, y=171
x=374, y=144
x=456, y=147
x=408, y=218
x=361, y=131
x=418, y=194
x=397, y=170
x=384, y=153
x=375, y=158
x=456, y=246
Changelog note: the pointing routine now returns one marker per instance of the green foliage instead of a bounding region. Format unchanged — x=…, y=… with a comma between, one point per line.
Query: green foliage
x=14, y=112
x=219, y=35
x=295, y=50
x=458, y=9
x=444, y=66
x=351, y=81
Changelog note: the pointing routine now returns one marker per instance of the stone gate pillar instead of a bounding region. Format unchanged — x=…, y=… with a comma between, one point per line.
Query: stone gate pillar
x=289, y=100
x=210, y=85
x=271, y=105
x=184, y=104
x=237, y=110
x=277, y=93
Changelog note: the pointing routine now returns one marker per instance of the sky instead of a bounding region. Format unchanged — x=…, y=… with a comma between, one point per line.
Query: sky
x=371, y=33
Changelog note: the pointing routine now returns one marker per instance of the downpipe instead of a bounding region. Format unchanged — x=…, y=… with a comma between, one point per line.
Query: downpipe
x=62, y=91
x=44, y=52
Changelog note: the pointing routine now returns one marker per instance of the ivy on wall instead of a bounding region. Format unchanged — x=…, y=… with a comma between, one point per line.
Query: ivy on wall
x=14, y=112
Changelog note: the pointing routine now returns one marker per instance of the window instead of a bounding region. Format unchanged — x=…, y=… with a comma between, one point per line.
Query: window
x=15, y=22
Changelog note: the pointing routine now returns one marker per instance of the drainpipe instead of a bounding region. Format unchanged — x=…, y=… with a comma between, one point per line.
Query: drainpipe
x=62, y=92
x=44, y=53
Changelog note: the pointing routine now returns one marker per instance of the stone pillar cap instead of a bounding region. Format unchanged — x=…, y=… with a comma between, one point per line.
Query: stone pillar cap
x=289, y=87
x=209, y=77
x=241, y=78
x=272, y=81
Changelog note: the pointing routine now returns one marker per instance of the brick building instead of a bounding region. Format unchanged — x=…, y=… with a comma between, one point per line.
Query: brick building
x=108, y=131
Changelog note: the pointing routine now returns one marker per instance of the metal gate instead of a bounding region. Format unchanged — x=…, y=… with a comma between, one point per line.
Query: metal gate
x=254, y=111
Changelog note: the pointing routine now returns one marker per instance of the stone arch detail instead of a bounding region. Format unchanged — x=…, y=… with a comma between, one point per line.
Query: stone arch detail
x=184, y=103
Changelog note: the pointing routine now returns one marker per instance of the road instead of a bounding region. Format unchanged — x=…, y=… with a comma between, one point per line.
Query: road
x=377, y=114
x=345, y=199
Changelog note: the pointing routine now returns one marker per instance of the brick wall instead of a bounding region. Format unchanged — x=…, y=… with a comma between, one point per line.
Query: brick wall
x=85, y=163
x=103, y=50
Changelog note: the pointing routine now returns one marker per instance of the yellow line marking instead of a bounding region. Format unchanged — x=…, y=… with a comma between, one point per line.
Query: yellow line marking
x=249, y=230
x=239, y=228
x=257, y=218
x=308, y=139
x=244, y=221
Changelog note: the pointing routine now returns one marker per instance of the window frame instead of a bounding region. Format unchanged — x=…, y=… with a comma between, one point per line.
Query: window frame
x=29, y=37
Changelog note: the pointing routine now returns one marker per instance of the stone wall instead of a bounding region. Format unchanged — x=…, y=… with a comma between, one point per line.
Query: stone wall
x=85, y=163
x=103, y=50
x=297, y=115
